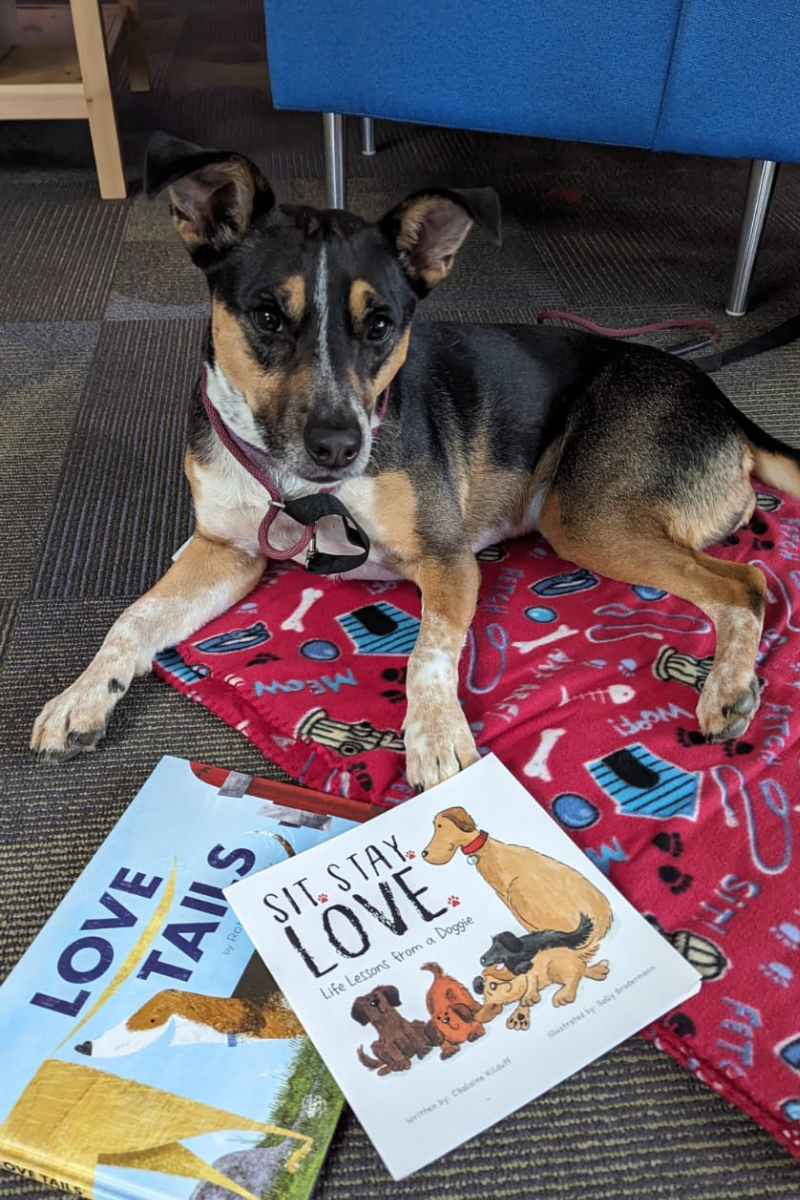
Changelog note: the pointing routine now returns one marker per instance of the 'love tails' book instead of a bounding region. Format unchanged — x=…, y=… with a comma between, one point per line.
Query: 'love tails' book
x=454, y=958
x=145, y=1050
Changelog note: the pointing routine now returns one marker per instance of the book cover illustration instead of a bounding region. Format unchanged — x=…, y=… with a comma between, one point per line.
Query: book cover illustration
x=144, y=1047
x=455, y=958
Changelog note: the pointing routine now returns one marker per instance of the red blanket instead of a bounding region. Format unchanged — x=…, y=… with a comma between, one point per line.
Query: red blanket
x=586, y=689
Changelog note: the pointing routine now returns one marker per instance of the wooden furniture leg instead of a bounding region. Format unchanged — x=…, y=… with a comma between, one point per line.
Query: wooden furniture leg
x=90, y=42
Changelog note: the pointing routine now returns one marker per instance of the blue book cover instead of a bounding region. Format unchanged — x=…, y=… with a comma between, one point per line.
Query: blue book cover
x=145, y=1050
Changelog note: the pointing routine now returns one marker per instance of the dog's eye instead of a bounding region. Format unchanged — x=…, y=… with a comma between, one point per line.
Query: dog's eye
x=267, y=319
x=378, y=328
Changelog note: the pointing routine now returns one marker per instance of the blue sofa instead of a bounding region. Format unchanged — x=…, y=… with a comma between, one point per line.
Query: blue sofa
x=712, y=77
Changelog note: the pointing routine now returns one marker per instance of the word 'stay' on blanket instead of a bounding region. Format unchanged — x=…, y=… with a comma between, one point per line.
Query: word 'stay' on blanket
x=587, y=690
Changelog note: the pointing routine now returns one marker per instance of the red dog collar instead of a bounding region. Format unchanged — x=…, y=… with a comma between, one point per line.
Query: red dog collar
x=476, y=845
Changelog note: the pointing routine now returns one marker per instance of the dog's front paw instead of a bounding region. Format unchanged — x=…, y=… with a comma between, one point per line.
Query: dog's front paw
x=727, y=706
x=519, y=1020
x=438, y=744
x=75, y=720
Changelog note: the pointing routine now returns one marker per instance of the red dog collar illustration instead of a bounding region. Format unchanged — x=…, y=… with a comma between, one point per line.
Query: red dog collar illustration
x=476, y=845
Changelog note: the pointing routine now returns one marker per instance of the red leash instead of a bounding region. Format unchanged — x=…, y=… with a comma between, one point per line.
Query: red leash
x=555, y=314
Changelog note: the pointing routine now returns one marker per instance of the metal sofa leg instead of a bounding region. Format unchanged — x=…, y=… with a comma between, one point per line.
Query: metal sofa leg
x=763, y=173
x=367, y=136
x=335, y=134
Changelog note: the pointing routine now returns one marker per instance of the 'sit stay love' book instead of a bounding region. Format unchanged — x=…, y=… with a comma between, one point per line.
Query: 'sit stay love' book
x=455, y=958
x=145, y=1050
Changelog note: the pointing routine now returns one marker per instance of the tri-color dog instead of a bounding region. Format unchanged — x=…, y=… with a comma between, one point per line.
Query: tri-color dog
x=426, y=443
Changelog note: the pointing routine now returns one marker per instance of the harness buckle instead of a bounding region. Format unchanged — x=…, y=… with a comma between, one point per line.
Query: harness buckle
x=311, y=552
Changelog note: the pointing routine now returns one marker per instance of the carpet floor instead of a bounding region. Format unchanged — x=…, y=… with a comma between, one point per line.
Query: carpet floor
x=101, y=319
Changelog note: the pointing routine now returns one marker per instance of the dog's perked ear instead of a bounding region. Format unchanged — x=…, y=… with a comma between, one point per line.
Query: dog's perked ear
x=214, y=194
x=427, y=229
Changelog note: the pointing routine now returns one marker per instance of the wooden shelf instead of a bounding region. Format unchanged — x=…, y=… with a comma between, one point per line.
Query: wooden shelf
x=41, y=76
x=60, y=69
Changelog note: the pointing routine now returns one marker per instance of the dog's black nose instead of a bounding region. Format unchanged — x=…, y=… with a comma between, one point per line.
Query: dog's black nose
x=333, y=448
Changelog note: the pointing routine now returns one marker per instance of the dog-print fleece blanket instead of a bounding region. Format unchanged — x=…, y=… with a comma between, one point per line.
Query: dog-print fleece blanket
x=586, y=689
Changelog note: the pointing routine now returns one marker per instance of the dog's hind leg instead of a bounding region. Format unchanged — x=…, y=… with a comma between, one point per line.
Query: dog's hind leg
x=208, y=578
x=637, y=548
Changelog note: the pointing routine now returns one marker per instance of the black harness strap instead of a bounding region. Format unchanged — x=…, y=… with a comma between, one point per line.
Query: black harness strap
x=307, y=510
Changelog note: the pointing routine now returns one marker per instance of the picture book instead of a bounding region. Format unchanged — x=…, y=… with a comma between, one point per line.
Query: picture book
x=144, y=1047
x=454, y=958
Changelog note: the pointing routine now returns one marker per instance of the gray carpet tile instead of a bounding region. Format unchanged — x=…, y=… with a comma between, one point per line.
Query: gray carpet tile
x=57, y=255
x=155, y=278
x=41, y=385
x=631, y=1126
x=608, y=241
x=7, y=614
x=106, y=536
x=766, y=389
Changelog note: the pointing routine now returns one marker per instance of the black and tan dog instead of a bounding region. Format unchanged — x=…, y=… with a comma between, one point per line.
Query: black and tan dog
x=437, y=442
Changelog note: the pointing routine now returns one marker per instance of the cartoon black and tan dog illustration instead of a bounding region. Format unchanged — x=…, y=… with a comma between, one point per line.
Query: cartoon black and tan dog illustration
x=541, y=892
x=399, y=1040
x=518, y=953
x=452, y=1011
x=500, y=987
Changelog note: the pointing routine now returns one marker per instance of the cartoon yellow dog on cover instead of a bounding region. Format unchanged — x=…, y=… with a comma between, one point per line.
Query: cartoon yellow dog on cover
x=565, y=915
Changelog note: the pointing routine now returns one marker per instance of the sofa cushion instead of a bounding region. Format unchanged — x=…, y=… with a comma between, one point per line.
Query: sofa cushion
x=734, y=81
x=574, y=69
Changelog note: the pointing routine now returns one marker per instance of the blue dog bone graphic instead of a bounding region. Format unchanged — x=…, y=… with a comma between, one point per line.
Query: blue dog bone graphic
x=235, y=639
x=380, y=629
x=643, y=785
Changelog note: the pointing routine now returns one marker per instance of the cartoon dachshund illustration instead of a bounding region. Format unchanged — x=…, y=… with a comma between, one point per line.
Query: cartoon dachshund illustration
x=399, y=1040
x=499, y=987
x=452, y=1011
x=256, y=1010
x=518, y=953
x=542, y=893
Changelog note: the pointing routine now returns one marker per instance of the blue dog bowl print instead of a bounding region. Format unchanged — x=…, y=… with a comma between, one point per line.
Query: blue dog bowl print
x=574, y=811
x=540, y=614
x=320, y=650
